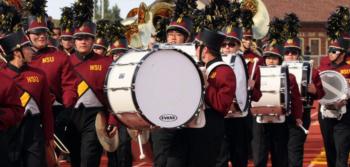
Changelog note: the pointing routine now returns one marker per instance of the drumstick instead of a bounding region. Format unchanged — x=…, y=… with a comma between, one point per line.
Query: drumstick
x=142, y=155
x=253, y=70
x=305, y=130
x=311, y=62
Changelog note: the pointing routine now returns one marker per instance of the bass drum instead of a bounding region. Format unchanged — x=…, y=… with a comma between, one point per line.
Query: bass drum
x=162, y=88
x=240, y=68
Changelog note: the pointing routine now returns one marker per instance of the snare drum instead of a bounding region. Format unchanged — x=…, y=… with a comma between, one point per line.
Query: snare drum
x=162, y=88
x=302, y=73
x=275, y=100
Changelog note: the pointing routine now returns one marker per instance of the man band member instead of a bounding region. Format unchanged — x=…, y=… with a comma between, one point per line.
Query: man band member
x=246, y=47
x=35, y=99
x=240, y=121
x=11, y=113
x=101, y=42
x=272, y=136
x=66, y=38
x=220, y=83
x=292, y=52
x=91, y=69
x=335, y=127
x=118, y=48
x=54, y=63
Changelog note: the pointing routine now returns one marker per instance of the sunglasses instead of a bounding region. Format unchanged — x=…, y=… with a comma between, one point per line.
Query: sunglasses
x=293, y=52
x=229, y=44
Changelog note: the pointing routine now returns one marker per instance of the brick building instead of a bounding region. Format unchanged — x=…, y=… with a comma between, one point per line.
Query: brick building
x=313, y=15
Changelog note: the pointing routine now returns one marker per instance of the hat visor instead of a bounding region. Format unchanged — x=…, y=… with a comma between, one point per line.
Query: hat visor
x=83, y=35
x=38, y=30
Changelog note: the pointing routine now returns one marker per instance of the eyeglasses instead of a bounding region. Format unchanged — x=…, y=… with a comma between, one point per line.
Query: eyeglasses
x=229, y=44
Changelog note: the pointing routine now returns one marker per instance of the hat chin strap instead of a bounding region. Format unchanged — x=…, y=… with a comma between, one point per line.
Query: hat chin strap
x=201, y=63
x=336, y=59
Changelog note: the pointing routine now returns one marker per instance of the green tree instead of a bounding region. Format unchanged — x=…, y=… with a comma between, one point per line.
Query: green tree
x=109, y=13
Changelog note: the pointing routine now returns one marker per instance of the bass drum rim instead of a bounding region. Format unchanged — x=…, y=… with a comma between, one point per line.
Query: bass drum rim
x=133, y=93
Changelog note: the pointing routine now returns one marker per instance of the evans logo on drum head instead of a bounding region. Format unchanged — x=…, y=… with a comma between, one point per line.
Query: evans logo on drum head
x=168, y=118
x=121, y=76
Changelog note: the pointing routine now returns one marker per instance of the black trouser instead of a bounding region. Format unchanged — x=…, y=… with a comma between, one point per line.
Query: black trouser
x=236, y=144
x=198, y=147
x=27, y=148
x=5, y=138
x=336, y=137
x=61, y=117
x=162, y=141
x=122, y=157
x=273, y=138
x=85, y=149
x=297, y=138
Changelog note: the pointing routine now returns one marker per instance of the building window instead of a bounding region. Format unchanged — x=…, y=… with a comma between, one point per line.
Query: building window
x=315, y=46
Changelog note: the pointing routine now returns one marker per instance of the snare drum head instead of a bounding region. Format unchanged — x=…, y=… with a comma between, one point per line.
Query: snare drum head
x=168, y=88
x=335, y=86
x=241, y=72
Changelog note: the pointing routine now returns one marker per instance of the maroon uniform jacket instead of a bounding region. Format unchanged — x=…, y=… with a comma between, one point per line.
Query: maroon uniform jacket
x=11, y=110
x=249, y=57
x=92, y=70
x=33, y=81
x=297, y=104
x=59, y=72
x=316, y=80
x=221, y=84
x=342, y=68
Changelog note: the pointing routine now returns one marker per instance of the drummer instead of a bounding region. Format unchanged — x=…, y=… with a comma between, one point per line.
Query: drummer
x=335, y=128
x=292, y=52
x=273, y=137
x=178, y=32
x=240, y=123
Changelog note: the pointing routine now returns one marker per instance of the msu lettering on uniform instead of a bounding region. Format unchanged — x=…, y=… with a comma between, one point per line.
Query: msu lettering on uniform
x=49, y=59
x=32, y=79
x=96, y=67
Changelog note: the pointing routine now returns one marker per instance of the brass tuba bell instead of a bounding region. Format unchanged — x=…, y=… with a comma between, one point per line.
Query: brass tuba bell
x=140, y=22
x=261, y=17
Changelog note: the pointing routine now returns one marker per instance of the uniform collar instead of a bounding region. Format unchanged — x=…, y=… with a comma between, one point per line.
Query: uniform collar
x=41, y=51
x=216, y=59
x=86, y=57
x=334, y=65
x=16, y=69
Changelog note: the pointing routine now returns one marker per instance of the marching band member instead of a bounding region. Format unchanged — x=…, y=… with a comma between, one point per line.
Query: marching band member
x=178, y=32
x=101, y=42
x=35, y=99
x=246, y=47
x=240, y=122
x=66, y=39
x=273, y=137
x=11, y=112
x=54, y=63
x=91, y=68
x=292, y=52
x=335, y=128
x=118, y=48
